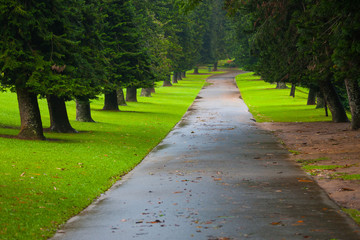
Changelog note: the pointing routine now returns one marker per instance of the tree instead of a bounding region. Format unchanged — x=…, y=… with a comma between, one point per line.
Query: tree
x=26, y=31
x=128, y=62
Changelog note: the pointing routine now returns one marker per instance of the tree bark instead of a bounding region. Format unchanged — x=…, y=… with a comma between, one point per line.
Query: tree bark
x=83, y=112
x=31, y=125
x=353, y=92
x=196, y=70
x=215, y=66
x=175, y=77
x=183, y=74
x=111, y=102
x=167, y=83
x=293, y=89
x=332, y=100
x=131, y=94
x=179, y=77
x=320, y=101
x=281, y=85
x=59, y=120
x=120, y=97
x=146, y=92
x=311, y=97
x=152, y=90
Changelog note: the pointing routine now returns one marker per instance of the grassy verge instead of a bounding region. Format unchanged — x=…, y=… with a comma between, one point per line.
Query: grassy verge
x=355, y=214
x=44, y=183
x=268, y=104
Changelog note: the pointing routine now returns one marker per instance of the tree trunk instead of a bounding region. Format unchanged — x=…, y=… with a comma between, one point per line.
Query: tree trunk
x=353, y=92
x=196, y=70
x=83, y=112
x=311, y=97
x=281, y=85
x=179, y=77
x=167, y=83
x=145, y=92
x=183, y=74
x=31, y=125
x=293, y=88
x=215, y=66
x=111, y=102
x=120, y=97
x=131, y=94
x=320, y=101
x=59, y=120
x=175, y=78
x=332, y=100
x=152, y=90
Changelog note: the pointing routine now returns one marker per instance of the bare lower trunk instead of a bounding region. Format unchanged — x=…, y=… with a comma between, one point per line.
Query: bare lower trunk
x=175, y=77
x=152, y=90
x=59, y=120
x=311, y=97
x=111, y=102
x=167, y=83
x=183, y=74
x=215, y=66
x=353, y=92
x=31, y=125
x=121, y=97
x=131, y=94
x=83, y=111
x=320, y=101
x=196, y=70
x=179, y=77
x=145, y=92
x=332, y=100
x=293, y=89
x=281, y=85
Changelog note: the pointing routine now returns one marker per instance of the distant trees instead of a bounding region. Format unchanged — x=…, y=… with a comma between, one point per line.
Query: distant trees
x=75, y=50
x=310, y=43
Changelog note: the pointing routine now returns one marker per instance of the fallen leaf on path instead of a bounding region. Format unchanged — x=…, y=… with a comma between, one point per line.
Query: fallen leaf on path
x=346, y=189
x=178, y=192
x=156, y=221
x=276, y=223
x=217, y=179
x=305, y=180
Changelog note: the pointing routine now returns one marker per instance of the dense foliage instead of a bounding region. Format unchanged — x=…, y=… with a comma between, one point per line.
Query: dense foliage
x=65, y=50
x=309, y=43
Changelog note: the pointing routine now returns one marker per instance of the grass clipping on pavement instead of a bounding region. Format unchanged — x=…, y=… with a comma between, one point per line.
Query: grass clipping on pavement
x=44, y=183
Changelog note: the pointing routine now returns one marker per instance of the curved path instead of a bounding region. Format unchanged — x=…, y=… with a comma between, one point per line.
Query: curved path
x=215, y=176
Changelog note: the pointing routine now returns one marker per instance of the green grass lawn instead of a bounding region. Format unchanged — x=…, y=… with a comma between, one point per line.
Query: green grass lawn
x=268, y=104
x=44, y=183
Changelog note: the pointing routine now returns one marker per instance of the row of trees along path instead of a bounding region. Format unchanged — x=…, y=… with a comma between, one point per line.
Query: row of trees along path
x=78, y=50
x=313, y=44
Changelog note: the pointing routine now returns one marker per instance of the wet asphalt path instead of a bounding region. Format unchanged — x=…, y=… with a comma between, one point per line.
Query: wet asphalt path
x=215, y=176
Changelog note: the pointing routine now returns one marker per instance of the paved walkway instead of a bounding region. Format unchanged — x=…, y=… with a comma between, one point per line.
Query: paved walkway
x=216, y=176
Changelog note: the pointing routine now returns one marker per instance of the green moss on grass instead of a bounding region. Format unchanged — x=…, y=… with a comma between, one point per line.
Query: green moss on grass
x=311, y=161
x=346, y=176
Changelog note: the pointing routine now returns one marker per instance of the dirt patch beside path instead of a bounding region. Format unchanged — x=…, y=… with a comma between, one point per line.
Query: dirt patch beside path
x=329, y=144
